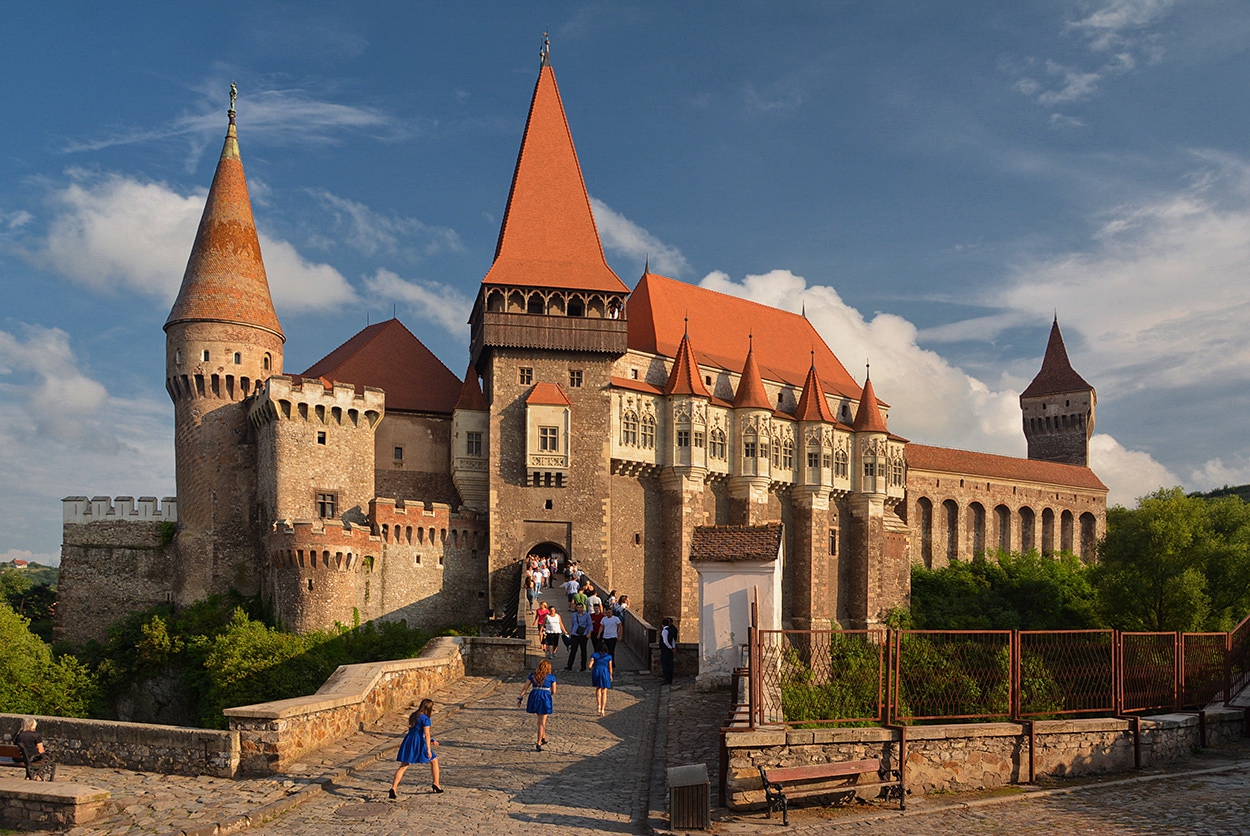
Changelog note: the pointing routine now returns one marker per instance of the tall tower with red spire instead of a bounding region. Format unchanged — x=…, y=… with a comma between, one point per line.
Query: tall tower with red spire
x=222, y=340
x=1058, y=408
x=547, y=324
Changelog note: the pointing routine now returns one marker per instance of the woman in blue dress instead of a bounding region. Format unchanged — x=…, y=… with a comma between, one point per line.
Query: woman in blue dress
x=417, y=746
x=601, y=676
x=542, y=687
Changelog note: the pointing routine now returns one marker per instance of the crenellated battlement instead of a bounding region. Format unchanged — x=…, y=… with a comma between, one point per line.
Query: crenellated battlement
x=79, y=510
x=289, y=397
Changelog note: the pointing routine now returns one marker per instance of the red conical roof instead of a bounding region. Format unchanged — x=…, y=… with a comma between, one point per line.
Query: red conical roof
x=471, y=397
x=751, y=393
x=548, y=237
x=684, y=378
x=225, y=277
x=868, y=416
x=1056, y=375
x=812, y=404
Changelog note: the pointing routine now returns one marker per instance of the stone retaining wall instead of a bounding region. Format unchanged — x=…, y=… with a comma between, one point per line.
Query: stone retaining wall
x=975, y=755
x=273, y=735
x=32, y=805
x=170, y=750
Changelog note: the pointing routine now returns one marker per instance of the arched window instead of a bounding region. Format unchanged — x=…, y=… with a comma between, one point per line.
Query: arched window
x=1028, y=537
x=787, y=453
x=265, y=363
x=238, y=358
x=1002, y=517
x=716, y=444
x=1048, y=531
x=952, y=530
x=577, y=307
x=897, y=472
x=629, y=429
x=978, y=528
x=535, y=305
x=1067, y=524
x=647, y=434
x=1089, y=529
x=842, y=465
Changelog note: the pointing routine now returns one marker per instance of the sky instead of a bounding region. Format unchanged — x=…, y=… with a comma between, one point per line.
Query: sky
x=931, y=182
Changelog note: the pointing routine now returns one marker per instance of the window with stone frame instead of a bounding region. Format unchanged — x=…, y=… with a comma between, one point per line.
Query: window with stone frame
x=327, y=505
x=843, y=467
x=575, y=378
x=764, y=449
x=897, y=477
x=826, y=458
x=629, y=429
x=787, y=454
x=549, y=439
x=525, y=375
x=813, y=458
x=683, y=438
x=698, y=439
x=647, y=433
x=748, y=445
x=472, y=444
x=716, y=445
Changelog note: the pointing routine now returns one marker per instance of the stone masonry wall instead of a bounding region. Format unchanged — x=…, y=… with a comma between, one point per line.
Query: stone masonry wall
x=976, y=755
x=31, y=805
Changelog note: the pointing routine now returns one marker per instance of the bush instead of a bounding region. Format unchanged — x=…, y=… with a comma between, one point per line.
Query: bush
x=33, y=680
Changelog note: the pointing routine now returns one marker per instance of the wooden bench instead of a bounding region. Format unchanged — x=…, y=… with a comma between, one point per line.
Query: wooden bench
x=841, y=779
x=11, y=755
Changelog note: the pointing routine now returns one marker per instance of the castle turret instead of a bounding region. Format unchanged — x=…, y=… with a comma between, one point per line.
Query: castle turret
x=470, y=427
x=1058, y=408
x=752, y=414
x=222, y=341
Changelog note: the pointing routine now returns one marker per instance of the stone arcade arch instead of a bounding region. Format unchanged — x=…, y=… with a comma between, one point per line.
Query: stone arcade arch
x=952, y=529
x=1002, y=519
x=977, y=511
x=1089, y=536
x=925, y=509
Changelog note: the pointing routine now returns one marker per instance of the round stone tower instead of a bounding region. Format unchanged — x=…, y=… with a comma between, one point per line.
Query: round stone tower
x=222, y=340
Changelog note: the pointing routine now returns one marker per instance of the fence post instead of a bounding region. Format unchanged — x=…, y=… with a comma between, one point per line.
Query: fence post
x=1015, y=677
x=1228, y=667
x=753, y=680
x=1178, y=679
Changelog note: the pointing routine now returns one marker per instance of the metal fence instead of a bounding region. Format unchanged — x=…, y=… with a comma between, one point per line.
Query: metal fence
x=829, y=677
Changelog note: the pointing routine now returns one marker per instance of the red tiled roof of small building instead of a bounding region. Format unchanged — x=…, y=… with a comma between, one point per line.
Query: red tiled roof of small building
x=225, y=278
x=388, y=356
x=548, y=237
x=1056, y=375
x=720, y=324
x=548, y=394
x=868, y=415
x=1005, y=468
x=736, y=542
x=751, y=393
x=684, y=378
x=471, y=397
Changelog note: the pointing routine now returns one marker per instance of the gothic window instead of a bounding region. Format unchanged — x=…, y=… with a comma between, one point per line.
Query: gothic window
x=843, y=467
x=265, y=363
x=575, y=378
x=629, y=429
x=764, y=450
x=748, y=445
x=826, y=460
x=648, y=432
x=577, y=307
x=472, y=444
x=896, y=472
x=327, y=505
x=776, y=453
x=238, y=358
x=716, y=447
x=683, y=438
x=698, y=439
x=787, y=454
x=549, y=439
x=525, y=374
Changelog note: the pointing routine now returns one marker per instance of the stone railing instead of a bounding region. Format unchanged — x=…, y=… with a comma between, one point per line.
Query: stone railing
x=975, y=756
x=274, y=735
x=32, y=805
x=170, y=750
x=636, y=633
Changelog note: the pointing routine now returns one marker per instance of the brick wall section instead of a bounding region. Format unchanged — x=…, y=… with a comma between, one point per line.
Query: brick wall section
x=168, y=750
x=109, y=569
x=30, y=805
x=976, y=755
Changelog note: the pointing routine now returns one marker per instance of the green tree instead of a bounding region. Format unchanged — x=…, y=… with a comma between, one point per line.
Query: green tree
x=32, y=680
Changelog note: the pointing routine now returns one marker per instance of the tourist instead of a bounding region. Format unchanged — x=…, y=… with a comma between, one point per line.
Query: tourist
x=531, y=591
x=542, y=687
x=570, y=588
x=553, y=630
x=596, y=631
x=592, y=598
x=668, y=646
x=417, y=747
x=540, y=617
x=544, y=574
x=601, y=677
x=580, y=597
x=39, y=766
x=622, y=604
x=580, y=627
x=610, y=632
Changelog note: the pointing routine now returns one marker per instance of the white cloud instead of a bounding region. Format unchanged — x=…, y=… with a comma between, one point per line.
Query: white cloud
x=621, y=235
x=372, y=233
x=431, y=301
x=931, y=401
x=118, y=233
x=783, y=97
x=1116, y=23
x=1075, y=85
x=1217, y=473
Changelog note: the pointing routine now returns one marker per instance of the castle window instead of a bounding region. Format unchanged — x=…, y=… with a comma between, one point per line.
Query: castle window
x=629, y=429
x=577, y=307
x=535, y=304
x=548, y=504
x=473, y=444
x=204, y=355
x=763, y=449
x=813, y=459
x=748, y=449
x=633, y=373
x=549, y=439
x=575, y=378
x=637, y=538
x=327, y=505
x=321, y=437
x=842, y=462
x=698, y=440
x=716, y=447
x=826, y=461
x=707, y=380
x=647, y=434
x=265, y=363
x=399, y=454
x=238, y=358
x=310, y=584
x=683, y=438
x=525, y=375
x=178, y=358
x=833, y=542
x=787, y=454
x=776, y=454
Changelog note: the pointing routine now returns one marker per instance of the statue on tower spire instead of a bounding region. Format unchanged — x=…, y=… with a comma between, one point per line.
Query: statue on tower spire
x=234, y=94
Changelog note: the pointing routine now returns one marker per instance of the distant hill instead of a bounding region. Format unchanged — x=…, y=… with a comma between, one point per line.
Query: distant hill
x=39, y=574
x=1242, y=491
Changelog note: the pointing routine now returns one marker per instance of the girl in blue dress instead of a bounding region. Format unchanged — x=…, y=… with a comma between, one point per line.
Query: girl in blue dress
x=542, y=687
x=417, y=746
x=601, y=676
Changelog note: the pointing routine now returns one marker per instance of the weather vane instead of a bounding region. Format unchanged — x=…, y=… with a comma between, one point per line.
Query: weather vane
x=234, y=94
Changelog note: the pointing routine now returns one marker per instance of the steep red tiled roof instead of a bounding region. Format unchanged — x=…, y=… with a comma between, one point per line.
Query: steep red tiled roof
x=548, y=237
x=1056, y=375
x=225, y=277
x=471, y=397
x=812, y=404
x=720, y=324
x=868, y=415
x=684, y=379
x=751, y=393
x=736, y=542
x=1005, y=468
x=388, y=356
x=548, y=394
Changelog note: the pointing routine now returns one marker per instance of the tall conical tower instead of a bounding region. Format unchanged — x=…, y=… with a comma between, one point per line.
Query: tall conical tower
x=547, y=324
x=1058, y=408
x=222, y=340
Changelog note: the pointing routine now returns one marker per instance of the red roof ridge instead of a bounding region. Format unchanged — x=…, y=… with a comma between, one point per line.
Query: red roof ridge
x=548, y=235
x=812, y=404
x=471, y=397
x=548, y=394
x=868, y=415
x=1056, y=375
x=225, y=278
x=751, y=393
x=996, y=466
x=684, y=378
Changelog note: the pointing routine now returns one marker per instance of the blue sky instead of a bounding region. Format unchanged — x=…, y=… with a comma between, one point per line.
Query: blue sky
x=932, y=181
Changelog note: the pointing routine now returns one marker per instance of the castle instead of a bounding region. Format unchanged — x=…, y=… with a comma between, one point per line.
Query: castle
x=592, y=421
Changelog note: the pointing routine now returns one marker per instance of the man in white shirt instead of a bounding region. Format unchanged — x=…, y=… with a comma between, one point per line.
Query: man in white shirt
x=570, y=587
x=610, y=632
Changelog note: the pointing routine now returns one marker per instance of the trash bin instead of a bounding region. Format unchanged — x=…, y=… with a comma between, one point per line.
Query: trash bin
x=689, y=798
